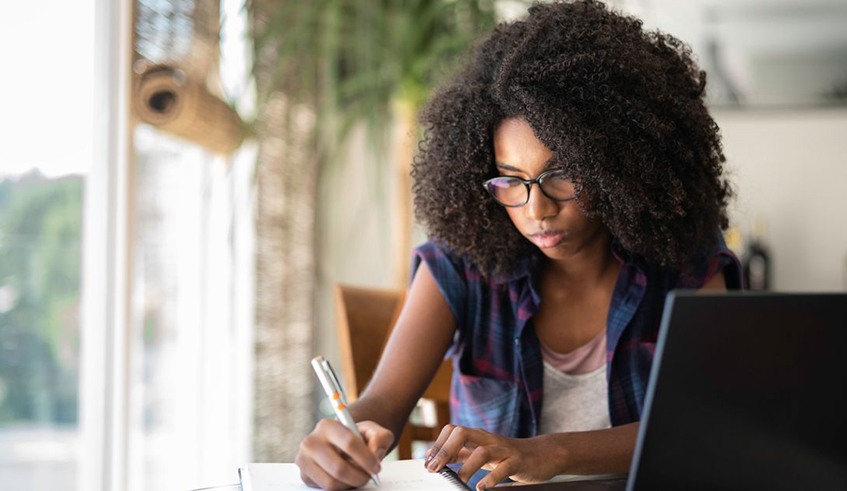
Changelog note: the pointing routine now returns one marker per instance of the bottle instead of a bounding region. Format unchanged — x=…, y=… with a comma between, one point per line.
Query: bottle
x=734, y=240
x=757, y=260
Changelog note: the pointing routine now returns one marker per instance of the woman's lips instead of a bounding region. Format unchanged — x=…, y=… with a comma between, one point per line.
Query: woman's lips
x=547, y=240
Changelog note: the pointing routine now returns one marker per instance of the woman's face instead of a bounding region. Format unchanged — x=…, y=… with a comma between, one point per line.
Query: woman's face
x=559, y=229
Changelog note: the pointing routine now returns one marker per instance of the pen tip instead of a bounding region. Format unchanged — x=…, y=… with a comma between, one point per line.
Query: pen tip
x=375, y=479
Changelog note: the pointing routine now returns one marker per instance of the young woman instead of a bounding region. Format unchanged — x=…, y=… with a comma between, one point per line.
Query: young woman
x=570, y=177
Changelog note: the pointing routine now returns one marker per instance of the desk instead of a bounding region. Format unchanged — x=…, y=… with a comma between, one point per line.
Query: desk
x=595, y=485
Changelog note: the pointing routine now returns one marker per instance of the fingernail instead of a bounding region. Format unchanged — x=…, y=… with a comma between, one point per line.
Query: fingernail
x=433, y=464
x=428, y=460
x=380, y=454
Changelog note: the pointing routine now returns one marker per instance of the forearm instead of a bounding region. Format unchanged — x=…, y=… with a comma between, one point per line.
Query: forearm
x=606, y=451
x=371, y=407
x=411, y=358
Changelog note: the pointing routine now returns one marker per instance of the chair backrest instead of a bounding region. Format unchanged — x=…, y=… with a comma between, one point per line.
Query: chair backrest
x=365, y=320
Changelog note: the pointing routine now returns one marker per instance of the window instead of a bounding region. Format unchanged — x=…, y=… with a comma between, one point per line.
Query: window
x=125, y=271
x=44, y=159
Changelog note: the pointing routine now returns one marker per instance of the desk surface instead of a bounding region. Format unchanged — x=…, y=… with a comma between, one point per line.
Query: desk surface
x=591, y=485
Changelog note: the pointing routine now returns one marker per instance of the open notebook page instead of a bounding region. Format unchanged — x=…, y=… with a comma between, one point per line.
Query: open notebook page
x=395, y=475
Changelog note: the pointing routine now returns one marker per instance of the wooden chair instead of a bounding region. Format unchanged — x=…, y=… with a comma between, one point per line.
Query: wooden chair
x=365, y=320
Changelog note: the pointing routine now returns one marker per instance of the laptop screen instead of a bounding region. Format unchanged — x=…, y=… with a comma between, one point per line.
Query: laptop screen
x=746, y=393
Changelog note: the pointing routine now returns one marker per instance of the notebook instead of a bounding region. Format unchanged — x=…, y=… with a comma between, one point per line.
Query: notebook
x=395, y=475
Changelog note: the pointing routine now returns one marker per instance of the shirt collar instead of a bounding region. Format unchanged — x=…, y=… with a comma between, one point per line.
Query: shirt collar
x=525, y=266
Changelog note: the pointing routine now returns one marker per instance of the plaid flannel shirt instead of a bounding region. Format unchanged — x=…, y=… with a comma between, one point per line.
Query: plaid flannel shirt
x=498, y=373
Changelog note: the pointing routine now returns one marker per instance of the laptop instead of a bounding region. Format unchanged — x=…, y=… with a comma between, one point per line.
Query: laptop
x=747, y=391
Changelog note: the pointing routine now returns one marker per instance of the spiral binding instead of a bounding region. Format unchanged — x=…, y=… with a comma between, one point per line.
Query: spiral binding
x=454, y=479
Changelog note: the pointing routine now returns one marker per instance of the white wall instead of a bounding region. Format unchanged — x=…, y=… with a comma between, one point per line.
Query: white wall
x=790, y=168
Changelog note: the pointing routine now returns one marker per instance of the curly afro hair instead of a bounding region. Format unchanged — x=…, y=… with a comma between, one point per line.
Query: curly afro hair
x=622, y=111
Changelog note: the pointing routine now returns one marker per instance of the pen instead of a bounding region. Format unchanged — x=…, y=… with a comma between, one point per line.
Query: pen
x=337, y=398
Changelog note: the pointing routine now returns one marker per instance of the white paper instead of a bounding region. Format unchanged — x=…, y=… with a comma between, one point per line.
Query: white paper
x=395, y=475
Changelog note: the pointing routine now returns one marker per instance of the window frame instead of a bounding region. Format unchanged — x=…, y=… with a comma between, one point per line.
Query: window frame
x=107, y=259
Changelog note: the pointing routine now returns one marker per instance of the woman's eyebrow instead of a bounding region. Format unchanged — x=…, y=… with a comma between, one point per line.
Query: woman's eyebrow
x=507, y=167
x=551, y=163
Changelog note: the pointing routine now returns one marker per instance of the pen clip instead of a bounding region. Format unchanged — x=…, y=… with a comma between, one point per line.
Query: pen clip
x=334, y=380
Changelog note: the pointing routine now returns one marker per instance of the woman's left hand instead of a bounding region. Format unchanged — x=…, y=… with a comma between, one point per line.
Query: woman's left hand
x=522, y=459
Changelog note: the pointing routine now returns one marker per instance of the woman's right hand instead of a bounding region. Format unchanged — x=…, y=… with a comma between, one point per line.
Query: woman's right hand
x=333, y=458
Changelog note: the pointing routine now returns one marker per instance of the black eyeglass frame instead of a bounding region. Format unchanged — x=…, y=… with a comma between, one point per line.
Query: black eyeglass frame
x=528, y=184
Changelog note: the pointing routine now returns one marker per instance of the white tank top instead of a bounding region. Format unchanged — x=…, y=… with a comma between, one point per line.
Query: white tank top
x=574, y=402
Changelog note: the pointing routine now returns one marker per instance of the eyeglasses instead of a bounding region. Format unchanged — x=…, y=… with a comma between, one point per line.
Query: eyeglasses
x=511, y=191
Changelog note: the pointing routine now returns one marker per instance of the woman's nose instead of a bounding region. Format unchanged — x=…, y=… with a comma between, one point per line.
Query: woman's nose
x=539, y=205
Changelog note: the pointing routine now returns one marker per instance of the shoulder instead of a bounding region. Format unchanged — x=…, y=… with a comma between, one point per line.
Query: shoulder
x=451, y=273
x=442, y=262
x=717, y=260
x=720, y=260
